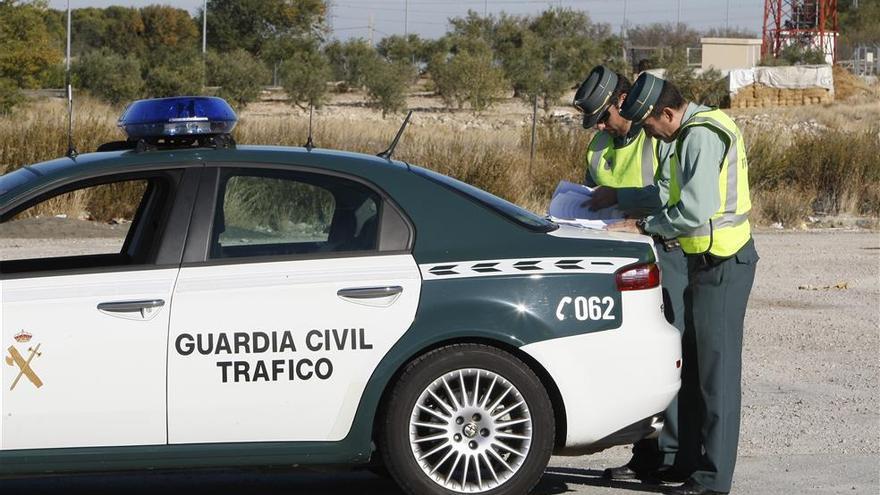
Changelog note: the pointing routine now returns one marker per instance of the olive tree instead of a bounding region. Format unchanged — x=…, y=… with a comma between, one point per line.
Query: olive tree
x=304, y=77
x=239, y=75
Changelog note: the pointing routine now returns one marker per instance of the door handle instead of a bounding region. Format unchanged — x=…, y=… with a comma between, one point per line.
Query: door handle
x=132, y=310
x=369, y=292
x=130, y=306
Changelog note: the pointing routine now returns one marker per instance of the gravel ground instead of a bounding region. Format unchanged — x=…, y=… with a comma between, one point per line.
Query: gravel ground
x=811, y=374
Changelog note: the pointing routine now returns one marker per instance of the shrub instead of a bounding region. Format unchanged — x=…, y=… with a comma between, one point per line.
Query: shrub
x=708, y=87
x=109, y=76
x=305, y=76
x=469, y=77
x=869, y=203
x=177, y=77
x=483, y=82
x=239, y=74
x=836, y=165
x=386, y=85
x=53, y=76
x=796, y=55
x=352, y=61
x=788, y=206
x=27, y=48
x=10, y=96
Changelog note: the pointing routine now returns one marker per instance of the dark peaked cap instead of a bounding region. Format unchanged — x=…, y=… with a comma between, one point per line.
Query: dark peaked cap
x=642, y=97
x=593, y=96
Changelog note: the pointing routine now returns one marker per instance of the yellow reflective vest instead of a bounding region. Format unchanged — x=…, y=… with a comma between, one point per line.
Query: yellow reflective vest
x=728, y=229
x=633, y=165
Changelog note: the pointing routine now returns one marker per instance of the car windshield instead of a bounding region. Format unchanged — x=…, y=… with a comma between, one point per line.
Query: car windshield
x=505, y=208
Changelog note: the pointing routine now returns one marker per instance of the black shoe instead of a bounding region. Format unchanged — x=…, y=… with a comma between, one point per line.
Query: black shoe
x=691, y=487
x=621, y=473
x=626, y=473
x=669, y=474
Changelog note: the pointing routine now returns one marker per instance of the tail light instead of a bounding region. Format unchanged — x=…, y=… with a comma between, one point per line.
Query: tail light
x=638, y=277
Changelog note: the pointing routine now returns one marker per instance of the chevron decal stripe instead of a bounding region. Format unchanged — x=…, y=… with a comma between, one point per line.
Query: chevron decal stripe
x=530, y=266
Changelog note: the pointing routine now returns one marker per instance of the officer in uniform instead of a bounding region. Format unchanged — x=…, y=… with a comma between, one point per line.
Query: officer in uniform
x=707, y=211
x=628, y=167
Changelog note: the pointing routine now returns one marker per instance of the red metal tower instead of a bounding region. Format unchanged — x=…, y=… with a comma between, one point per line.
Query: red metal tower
x=809, y=23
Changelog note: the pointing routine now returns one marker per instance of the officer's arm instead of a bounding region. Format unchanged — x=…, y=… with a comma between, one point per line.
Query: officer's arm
x=588, y=179
x=639, y=201
x=644, y=201
x=701, y=153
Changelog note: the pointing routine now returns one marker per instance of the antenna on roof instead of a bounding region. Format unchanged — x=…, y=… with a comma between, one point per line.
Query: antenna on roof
x=387, y=153
x=71, y=150
x=309, y=143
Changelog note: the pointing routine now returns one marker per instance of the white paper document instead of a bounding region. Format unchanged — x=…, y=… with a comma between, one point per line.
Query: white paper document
x=567, y=206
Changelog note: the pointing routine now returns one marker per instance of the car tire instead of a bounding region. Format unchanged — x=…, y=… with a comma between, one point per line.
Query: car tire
x=467, y=418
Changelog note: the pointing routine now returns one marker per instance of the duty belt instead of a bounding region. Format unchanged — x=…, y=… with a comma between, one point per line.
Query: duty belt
x=667, y=244
x=707, y=259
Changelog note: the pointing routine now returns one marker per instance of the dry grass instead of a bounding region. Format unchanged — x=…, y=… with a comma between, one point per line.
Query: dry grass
x=39, y=132
x=792, y=174
x=495, y=160
x=786, y=206
x=72, y=205
x=857, y=113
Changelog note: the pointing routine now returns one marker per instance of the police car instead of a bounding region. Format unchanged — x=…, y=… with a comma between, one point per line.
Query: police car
x=278, y=306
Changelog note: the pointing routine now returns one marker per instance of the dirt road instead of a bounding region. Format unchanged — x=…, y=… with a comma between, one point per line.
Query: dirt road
x=811, y=389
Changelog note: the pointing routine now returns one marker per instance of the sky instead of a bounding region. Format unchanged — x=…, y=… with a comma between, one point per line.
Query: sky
x=428, y=18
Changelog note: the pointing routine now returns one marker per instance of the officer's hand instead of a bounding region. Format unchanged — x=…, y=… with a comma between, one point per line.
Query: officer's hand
x=628, y=225
x=602, y=197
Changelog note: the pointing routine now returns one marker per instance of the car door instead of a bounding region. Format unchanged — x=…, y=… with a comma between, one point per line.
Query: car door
x=298, y=286
x=85, y=308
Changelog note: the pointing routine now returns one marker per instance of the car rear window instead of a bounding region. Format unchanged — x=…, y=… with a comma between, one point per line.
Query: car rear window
x=505, y=208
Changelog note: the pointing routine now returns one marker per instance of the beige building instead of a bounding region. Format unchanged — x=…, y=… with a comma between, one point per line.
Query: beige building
x=725, y=54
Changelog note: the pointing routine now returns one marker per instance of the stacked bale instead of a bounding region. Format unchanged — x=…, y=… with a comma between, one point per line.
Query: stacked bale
x=761, y=96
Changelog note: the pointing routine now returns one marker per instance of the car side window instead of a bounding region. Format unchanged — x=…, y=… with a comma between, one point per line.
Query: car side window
x=268, y=213
x=113, y=223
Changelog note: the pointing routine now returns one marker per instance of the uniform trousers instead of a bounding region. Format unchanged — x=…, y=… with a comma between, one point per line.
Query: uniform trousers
x=710, y=397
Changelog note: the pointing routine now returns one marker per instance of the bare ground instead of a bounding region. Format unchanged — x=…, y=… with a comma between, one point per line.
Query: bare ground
x=509, y=113
x=811, y=384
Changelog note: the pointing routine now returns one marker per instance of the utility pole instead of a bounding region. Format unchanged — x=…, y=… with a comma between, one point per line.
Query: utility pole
x=372, y=28
x=623, y=31
x=71, y=151
x=204, y=27
x=485, y=8
x=727, y=17
x=67, y=61
x=405, y=18
x=678, y=13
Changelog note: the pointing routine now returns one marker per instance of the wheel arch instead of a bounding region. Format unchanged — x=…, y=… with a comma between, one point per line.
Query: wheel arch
x=556, y=400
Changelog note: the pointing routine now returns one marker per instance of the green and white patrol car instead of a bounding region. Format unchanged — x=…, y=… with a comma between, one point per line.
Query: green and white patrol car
x=273, y=306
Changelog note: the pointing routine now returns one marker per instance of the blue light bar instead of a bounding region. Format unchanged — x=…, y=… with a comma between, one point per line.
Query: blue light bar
x=179, y=116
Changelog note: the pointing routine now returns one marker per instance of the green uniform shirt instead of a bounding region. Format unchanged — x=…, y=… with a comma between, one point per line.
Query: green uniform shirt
x=702, y=152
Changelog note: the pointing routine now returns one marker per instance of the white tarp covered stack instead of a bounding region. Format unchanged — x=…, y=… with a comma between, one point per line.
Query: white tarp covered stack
x=781, y=86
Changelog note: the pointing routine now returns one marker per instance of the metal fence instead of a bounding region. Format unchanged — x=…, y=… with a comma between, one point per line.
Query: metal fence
x=865, y=60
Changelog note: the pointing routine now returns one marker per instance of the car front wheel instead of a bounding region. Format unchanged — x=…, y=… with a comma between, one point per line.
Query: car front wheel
x=468, y=418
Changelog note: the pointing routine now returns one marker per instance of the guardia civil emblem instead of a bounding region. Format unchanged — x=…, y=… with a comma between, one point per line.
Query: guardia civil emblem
x=18, y=360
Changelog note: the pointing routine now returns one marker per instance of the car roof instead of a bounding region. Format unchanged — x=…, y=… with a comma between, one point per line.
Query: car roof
x=37, y=176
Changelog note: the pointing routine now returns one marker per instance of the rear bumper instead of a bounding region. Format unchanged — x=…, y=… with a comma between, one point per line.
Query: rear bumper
x=646, y=428
x=613, y=380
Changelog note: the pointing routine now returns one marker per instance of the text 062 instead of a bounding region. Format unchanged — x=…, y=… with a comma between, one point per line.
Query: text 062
x=585, y=308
